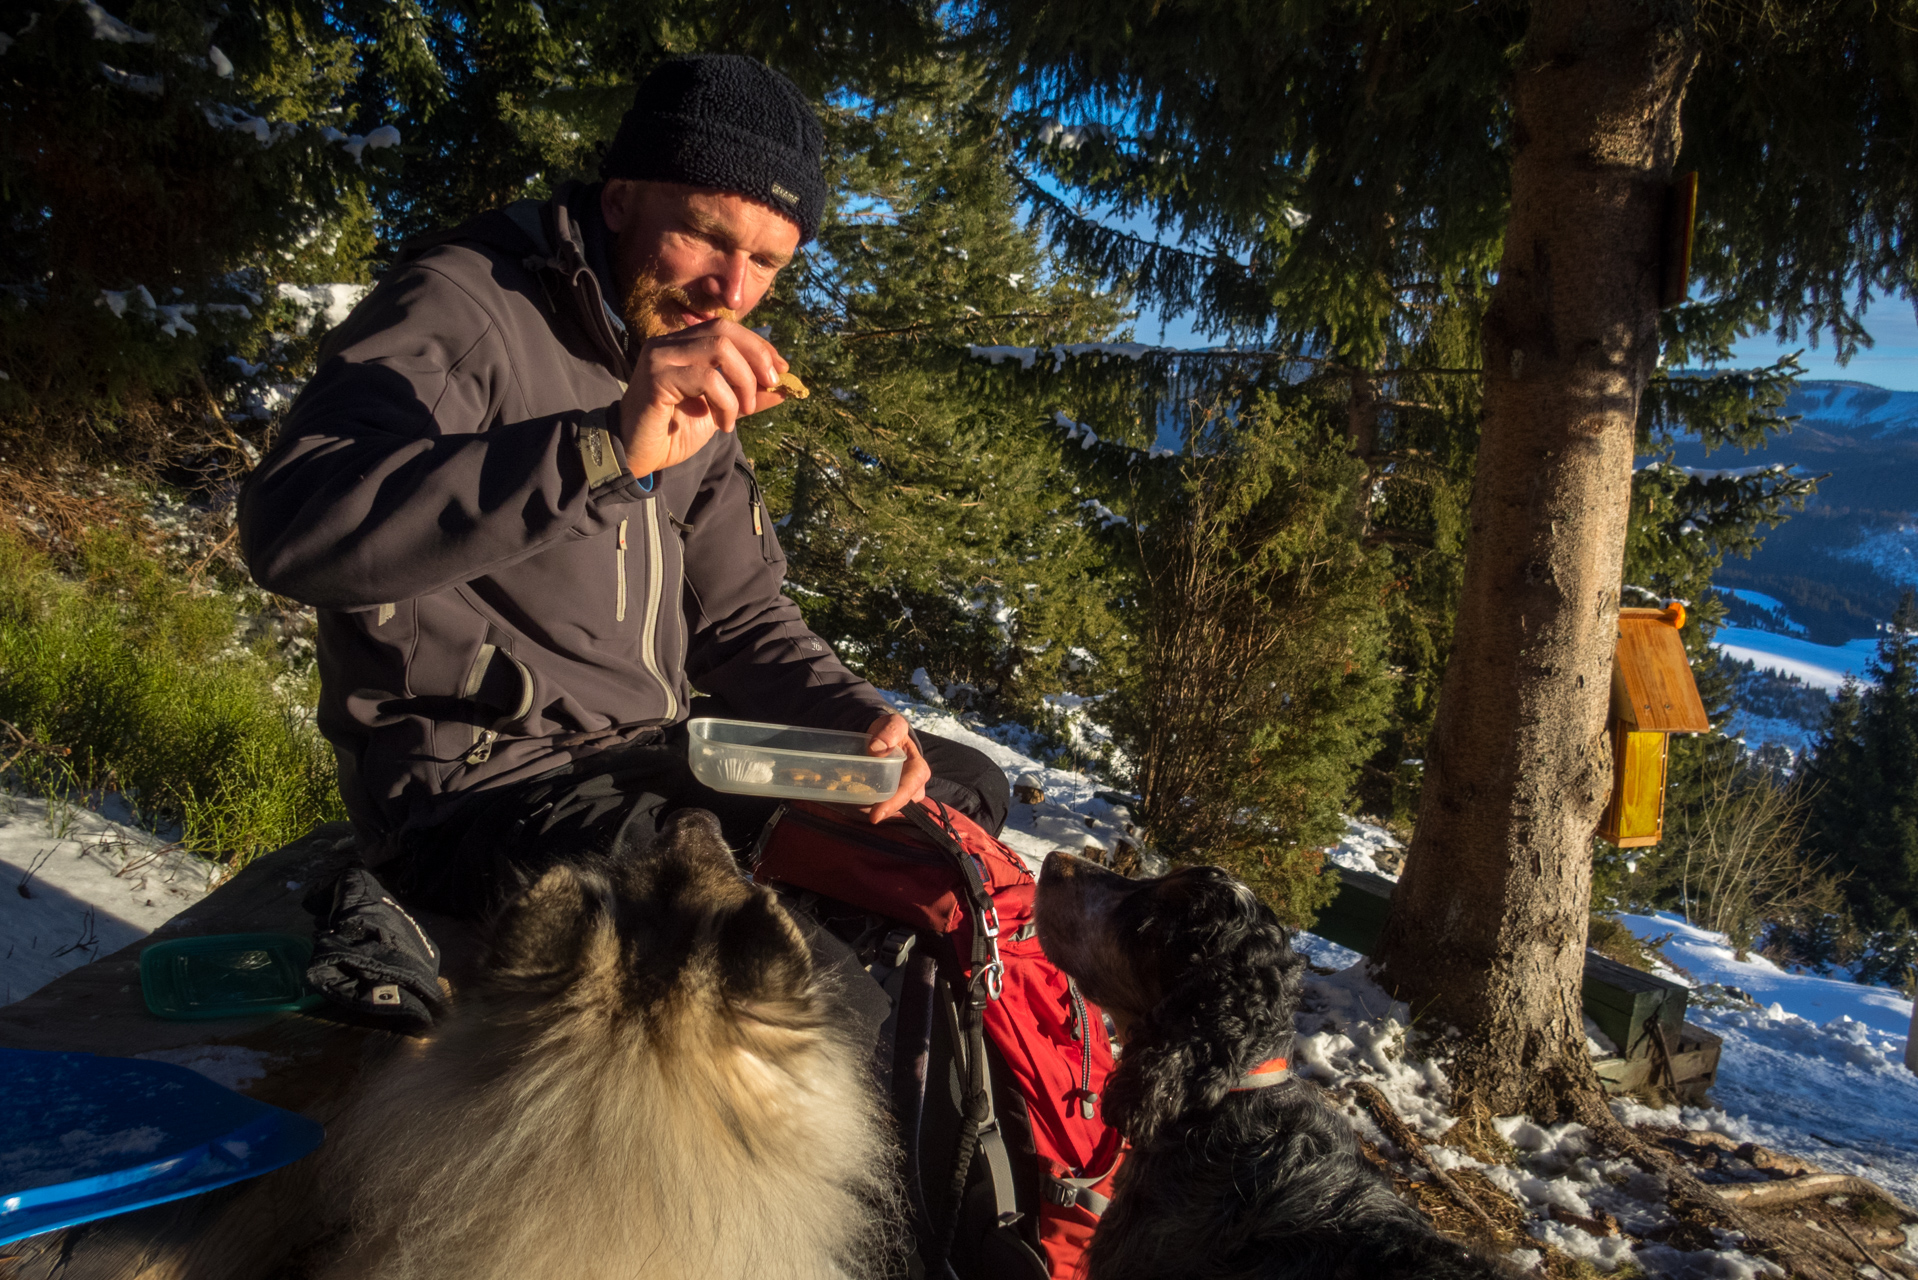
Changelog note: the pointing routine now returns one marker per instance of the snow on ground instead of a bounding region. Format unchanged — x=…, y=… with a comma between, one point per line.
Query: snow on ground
x=1756, y=731
x=1812, y=1065
x=92, y=884
x=1349, y=1030
x=1822, y=666
x=1365, y=847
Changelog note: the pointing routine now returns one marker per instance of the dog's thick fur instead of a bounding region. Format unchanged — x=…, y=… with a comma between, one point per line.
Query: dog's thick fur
x=1266, y=1184
x=641, y=1082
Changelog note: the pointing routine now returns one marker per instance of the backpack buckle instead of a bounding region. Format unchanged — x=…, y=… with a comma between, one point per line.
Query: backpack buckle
x=896, y=947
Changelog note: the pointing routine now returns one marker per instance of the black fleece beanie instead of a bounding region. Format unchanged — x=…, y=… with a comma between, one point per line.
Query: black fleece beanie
x=727, y=122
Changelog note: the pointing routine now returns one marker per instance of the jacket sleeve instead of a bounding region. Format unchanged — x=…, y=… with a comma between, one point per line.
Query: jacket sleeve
x=393, y=478
x=749, y=645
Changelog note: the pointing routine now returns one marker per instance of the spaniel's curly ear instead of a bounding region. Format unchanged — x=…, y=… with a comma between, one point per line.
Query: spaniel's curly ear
x=1229, y=1008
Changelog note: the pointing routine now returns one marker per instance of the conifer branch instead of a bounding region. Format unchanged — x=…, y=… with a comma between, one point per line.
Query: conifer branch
x=951, y=323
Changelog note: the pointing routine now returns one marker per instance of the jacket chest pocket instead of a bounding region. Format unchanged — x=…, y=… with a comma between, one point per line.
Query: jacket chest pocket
x=762, y=520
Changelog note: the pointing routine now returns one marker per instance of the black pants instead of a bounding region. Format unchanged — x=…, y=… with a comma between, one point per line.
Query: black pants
x=500, y=840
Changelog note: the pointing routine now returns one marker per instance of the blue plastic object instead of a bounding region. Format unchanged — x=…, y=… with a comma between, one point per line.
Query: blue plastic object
x=84, y=1137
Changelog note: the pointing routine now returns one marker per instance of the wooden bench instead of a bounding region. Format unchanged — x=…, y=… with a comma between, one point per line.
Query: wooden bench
x=1641, y=1013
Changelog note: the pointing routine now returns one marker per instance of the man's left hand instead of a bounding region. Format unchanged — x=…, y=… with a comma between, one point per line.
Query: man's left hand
x=887, y=733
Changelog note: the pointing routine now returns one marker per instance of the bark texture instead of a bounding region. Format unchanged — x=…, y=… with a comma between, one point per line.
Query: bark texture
x=1487, y=928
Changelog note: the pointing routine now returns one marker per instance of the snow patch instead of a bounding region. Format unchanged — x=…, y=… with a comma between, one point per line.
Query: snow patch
x=331, y=303
x=93, y=881
x=109, y=28
x=1822, y=666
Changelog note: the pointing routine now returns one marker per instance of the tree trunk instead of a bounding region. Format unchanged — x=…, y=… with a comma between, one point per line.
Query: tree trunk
x=1487, y=927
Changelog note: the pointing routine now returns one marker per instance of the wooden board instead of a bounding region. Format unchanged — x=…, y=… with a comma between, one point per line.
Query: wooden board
x=1694, y=1068
x=1355, y=917
x=307, y=1064
x=1652, y=684
x=1623, y=1001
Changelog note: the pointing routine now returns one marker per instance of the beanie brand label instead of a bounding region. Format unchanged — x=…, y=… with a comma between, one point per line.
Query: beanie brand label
x=784, y=194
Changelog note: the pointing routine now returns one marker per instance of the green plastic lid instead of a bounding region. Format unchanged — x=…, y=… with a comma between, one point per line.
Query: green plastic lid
x=227, y=975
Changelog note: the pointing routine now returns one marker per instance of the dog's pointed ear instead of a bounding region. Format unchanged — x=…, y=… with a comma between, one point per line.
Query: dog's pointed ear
x=541, y=933
x=762, y=955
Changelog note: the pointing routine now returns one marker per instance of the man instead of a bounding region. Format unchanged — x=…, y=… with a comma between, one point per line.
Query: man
x=526, y=520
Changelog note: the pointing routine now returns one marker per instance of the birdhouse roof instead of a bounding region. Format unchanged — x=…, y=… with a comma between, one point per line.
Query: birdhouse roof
x=1652, y=685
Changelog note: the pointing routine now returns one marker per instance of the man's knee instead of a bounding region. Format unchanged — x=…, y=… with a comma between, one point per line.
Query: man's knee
x=966, y=779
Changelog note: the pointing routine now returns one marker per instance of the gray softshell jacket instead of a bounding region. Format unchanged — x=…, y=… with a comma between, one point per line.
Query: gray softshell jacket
x=496, y=595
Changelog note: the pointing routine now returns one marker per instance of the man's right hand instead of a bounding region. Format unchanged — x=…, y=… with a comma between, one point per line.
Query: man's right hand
x=689, y=384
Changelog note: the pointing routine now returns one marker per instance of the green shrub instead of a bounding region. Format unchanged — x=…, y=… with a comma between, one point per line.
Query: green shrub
x=142, y=679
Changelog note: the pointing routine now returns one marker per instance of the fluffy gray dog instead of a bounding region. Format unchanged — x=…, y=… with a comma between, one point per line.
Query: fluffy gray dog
x=641, y=1082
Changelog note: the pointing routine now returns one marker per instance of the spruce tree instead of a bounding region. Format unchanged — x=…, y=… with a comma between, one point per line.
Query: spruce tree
x=928, y=516
x=1863, y=771
x=1333, y=173
x=1258, y=688
x=164, y=170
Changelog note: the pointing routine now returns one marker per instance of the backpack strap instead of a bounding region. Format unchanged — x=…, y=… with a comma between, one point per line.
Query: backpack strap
x=988, y=970
x=1069, y=1193
x=979, y=1127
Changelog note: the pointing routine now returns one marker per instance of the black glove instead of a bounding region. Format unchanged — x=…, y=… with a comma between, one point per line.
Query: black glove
x=371, y=960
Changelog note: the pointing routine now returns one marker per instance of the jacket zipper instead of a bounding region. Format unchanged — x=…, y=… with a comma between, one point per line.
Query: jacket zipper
x=649, y=629
x=619, y=608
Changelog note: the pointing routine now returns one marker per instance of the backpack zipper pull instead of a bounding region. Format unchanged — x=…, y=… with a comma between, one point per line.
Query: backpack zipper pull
x=1088, y=1099
x=483, y=749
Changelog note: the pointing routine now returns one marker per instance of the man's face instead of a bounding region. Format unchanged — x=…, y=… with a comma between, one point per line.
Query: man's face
x=685, y=254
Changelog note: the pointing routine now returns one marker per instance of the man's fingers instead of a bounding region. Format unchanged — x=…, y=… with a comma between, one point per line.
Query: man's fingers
x=887, y=733
x=891, y=732
x=764, y=357
x=733, y=365
x=912, y=786
x=722, y=400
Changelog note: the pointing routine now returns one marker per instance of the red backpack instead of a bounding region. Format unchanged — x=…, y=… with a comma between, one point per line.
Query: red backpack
x=993, y=1062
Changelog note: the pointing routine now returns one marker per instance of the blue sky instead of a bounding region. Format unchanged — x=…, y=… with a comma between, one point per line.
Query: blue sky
x=1891, y=363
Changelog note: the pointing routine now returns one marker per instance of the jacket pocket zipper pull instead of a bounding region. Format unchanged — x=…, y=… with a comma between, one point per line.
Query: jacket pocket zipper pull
x=483, y=749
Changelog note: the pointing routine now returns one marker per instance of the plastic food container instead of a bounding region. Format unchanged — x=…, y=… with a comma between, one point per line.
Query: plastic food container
x=745, y=758
x=227, y=975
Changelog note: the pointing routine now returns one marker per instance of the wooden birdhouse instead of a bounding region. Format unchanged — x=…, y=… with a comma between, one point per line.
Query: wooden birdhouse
x=1653, y=697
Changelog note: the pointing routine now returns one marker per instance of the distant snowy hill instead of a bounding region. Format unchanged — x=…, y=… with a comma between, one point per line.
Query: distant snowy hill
x=1856, y=406
x=1838, y=567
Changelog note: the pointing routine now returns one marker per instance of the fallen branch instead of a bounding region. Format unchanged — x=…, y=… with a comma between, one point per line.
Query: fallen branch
x=1767, y=1195
x=1885, y=1263
x=1401, y=1134
x=1692, y=1198
x=23, y=745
